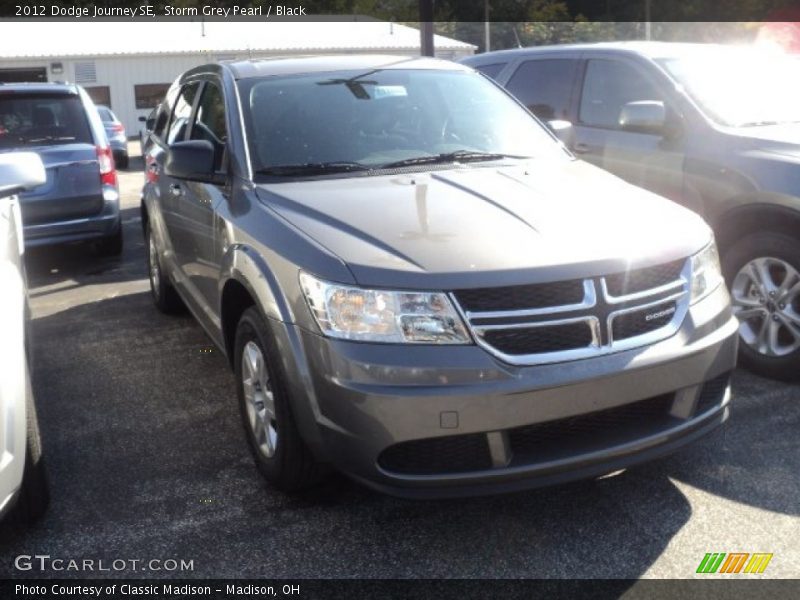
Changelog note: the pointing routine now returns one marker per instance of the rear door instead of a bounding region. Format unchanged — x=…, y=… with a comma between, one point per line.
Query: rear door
x=650, y=160
x=55, y=126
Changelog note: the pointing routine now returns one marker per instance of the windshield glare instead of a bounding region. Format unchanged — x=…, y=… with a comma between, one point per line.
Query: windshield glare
x=741, y=87
x=385, y=116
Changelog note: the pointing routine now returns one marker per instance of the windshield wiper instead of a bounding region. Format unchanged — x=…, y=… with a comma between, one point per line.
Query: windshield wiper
x=447, y=157
x=321, y=168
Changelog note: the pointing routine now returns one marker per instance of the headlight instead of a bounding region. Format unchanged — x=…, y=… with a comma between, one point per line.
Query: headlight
x=706, y=272
x=353, y=313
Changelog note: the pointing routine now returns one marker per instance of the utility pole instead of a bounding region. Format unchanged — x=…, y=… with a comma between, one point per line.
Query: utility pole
x=486, y=29
x=647, y=20
x=426, y=27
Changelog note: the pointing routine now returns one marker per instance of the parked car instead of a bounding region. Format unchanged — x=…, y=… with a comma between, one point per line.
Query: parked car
x=716, y=128
x=415, y=283
x=117, y=138
x=23, y=480
x=80, y=199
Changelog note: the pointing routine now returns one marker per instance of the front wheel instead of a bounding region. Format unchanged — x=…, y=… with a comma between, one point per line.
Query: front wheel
x=763, y=273
x=280, y=453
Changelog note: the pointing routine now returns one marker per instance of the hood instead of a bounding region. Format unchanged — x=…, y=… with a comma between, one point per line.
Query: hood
x=781, y=139
x=542, y=220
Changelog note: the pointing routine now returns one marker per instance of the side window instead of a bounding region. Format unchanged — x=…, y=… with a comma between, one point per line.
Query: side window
x=607, y=87
x=545, y=86
x=209, y=123
x=161, y=113
x=492, y=70
x=181, y=113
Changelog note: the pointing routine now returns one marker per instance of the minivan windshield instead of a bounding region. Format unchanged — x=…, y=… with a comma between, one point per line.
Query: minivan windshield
x=350, y=121
x=741, y=87
x=42, y=119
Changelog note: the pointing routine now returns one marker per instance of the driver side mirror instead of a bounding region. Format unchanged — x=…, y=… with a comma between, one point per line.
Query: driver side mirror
x=20, y=171
x=646, y=116
x=192, y=160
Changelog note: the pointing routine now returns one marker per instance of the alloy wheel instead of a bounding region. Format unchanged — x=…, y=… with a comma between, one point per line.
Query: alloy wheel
x=766, y=299
x=155, y=269
x=259, y=399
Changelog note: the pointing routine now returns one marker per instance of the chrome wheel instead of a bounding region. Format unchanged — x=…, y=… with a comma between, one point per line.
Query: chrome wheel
x=766, y=299
x=259, y=399
x=155, y=269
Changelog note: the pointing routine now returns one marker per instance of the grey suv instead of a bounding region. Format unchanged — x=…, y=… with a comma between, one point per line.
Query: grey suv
x=416, y=283
x=716, y=128
x=80, y=199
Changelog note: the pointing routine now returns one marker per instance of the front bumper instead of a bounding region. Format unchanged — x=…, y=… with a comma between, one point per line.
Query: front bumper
x=392, y=417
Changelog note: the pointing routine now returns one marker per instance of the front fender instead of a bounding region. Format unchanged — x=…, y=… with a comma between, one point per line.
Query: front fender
x=247, y=267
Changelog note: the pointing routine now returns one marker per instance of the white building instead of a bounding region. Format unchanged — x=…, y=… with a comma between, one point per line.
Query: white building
x=129, y=65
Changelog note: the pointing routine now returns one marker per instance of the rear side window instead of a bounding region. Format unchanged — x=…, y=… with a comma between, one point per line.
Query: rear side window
x=607, y=87
x=42, y=119
x=210, y=122
x=181, y=113
x=545, y=86
x=105, y=114
x=492, y=70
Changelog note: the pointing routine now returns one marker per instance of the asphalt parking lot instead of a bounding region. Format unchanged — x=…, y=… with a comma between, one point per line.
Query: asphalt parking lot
x=148, y=461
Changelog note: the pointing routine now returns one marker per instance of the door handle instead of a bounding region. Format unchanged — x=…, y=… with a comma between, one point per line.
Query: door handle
x=581, y=148
x=175, y=189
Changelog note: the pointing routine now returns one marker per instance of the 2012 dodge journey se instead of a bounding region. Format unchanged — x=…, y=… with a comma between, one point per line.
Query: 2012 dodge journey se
x=417, y=284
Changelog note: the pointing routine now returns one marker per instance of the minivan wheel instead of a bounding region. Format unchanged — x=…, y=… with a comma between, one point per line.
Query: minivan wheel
x=111, y=245
x=164, y=295
x=763, y=274
x=279, y=451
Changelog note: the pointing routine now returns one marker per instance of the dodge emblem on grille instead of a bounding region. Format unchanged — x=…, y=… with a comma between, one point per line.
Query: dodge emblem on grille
x=661, y=313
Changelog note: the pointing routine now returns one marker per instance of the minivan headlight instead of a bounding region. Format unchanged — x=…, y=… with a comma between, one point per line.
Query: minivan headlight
x=354, y=313
x=706, y=272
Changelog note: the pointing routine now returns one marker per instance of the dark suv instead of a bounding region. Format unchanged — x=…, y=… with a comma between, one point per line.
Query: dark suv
x=414, y=282
x=716, y=128
x=80, y=199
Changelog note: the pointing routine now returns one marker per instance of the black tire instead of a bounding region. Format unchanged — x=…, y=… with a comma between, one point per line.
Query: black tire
x=164, y=295
x=292, y=467
x=34, y=494
x=111, y=245
x=739, y=254
x=123, y=161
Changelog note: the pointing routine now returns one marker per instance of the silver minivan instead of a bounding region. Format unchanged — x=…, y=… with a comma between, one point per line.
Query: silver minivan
x=80, y=199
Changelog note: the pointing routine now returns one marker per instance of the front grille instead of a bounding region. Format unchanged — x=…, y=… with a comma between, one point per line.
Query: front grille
x=580, y=318
x=639, y=280
x=520, y=297
x=712, y=393
x=643, y=321
x=536, y=340
x=450, y=454
x=581, y=434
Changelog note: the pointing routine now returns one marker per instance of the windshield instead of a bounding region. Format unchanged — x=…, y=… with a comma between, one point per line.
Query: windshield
x=386, y=118
x=741, y=87
x=40, y=119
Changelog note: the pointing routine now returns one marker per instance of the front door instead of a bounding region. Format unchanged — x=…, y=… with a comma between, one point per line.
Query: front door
x=197, y=251
x=649, y=160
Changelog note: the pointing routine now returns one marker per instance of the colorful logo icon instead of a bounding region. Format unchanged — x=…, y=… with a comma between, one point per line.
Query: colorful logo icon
x=734, y=562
